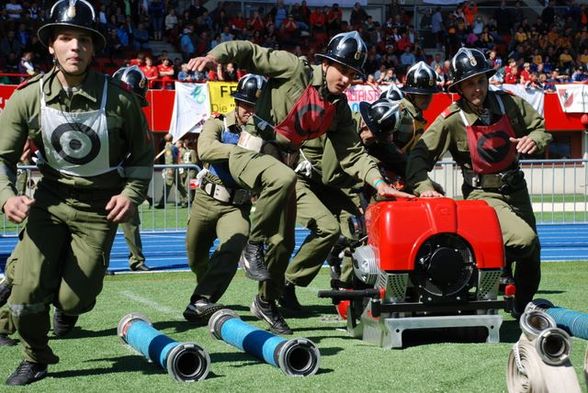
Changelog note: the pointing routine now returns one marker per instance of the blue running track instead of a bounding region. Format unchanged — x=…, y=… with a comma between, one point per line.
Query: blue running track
x=166, y=251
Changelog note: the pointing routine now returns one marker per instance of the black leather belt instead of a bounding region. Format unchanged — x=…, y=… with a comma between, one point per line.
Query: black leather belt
x=503, y=182
x=238, y=196
x=81, y=194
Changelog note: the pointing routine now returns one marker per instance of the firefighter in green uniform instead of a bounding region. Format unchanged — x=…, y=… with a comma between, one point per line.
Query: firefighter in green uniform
x=189, y=156
x=221, y=208
x=324, y=190
x=485, y=131
x=421, y=84
x=170, y=175
x=136, y=80
x=299, y=103
x=85, y=126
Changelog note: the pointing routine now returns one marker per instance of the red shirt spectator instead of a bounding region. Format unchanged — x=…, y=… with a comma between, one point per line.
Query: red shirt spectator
x=318, y=19
x=257, y=23
x=469, y=12
x=512, y=75
x=151, y=72
x=403, y=43
x=166, y=73
x=526, y=73
x=238, y=23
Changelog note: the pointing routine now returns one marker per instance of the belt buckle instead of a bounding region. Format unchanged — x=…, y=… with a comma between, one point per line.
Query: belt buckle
x=241, y=196
x=476, y=180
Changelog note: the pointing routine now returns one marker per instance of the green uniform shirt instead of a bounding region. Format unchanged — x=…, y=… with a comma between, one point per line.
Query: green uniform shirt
x=289, y=77
x=448, y=133
x=129, y=138
x=412, y=123
x=210, y=146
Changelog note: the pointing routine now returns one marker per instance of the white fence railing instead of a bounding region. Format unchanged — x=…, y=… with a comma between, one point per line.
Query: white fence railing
x=558, y=190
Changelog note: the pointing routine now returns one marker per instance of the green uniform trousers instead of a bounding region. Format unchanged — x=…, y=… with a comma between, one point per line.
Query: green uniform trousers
x=132, y=233
x=519, y=233
x=62, y=258
x=318, y=209
x=274, y=219
x=6, y=325
x=208, y=220
x=170, y=177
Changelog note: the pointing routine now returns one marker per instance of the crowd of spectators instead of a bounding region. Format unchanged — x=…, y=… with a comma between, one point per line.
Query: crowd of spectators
x=536, y=51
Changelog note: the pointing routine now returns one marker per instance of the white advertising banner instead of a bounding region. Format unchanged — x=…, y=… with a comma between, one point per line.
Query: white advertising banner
x=191, y=109
x=357, y=93
x=573, y=98
x=535, y=97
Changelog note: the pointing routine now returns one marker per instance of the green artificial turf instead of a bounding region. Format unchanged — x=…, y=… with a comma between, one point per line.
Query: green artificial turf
x=93, y=359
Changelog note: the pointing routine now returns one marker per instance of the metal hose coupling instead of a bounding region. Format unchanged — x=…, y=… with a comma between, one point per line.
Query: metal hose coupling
x=538, y=304
x=186, y=362
x=534, y=321
x=553, y=346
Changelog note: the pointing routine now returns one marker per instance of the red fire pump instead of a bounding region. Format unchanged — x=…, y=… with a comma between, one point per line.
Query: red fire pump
x=425, y=263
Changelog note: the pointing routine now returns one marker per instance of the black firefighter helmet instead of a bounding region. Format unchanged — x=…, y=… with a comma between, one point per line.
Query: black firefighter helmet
x=348, y=49
x=134, y=77
x=421, y=78
x=72, y=13
x=249, y=88
x=393, y=93
x=468, y=63
x=381, y=116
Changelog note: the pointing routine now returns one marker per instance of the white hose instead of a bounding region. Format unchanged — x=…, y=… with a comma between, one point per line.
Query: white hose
x=527, y=373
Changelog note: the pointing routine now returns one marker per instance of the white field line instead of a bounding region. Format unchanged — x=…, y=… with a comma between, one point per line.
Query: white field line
x=152, y=304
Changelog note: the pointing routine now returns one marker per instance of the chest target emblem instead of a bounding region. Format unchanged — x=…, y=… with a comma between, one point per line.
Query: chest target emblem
x=76, y=143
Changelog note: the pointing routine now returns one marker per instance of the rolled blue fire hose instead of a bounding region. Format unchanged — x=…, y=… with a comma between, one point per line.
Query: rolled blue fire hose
x=297, y=357
x=186, y=362
x=573, y=322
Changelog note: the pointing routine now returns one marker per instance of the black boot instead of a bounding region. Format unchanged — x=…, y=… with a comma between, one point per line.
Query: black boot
x=253, y=263
x=201, y=310
x=268, y=311
x=5, y=290
x=6, y=341
x=63, y=324
x=289, y=301
x=27, y=373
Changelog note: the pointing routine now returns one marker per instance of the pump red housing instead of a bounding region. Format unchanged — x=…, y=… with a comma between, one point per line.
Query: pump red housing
x=398, y=229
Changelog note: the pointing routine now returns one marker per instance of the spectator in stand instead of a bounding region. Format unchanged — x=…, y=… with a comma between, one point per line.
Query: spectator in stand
x=478, y=26
x=304, y=13
x=470, y=11
x=579, y=75
x=358, y=16
x=156, y=16
x=23, y=35
x=185, y=75
x=123, y=36
x=525, y=76
x=408, y=58
x=139, y=61
x=171, y=25
x=534, y=82
x=226, y=35
x=186, y=43
x=103, y=18
x=380, y=73
x=14, y=10
x=437, y=26
x=334, y=18
x=520, y=36
x=141, y=37
x=548, y=14
x=318, y=20
x=166, y=73
x=289, y=33
x=150, y=71
x=511, y=76
x=437, y=60
x=10, y=43
x=371, y=81
x=238, y=25
x=566, y=61
x=26, y=66
x=256, y=23
x=227, y=72
x=504, y=19
x=552, y=80
x=389, y=77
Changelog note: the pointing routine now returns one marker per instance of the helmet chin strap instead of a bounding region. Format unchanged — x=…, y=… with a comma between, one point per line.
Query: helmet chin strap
x=67, y=74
